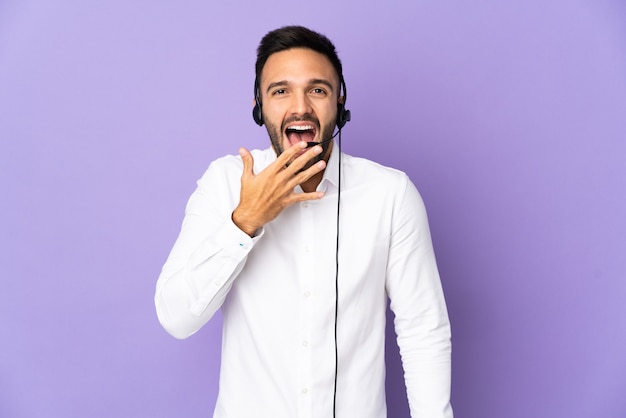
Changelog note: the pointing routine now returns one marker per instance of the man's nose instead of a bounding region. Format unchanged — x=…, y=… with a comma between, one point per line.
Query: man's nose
x=300, y=104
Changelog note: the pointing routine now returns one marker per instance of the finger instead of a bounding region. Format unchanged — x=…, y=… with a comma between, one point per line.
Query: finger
x=302, y=197
x=248, y=161
x=290, y=153
x=297, y=164
x=302, y=176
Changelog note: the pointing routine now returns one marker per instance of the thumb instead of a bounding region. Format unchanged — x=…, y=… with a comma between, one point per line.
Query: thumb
x=248, y=161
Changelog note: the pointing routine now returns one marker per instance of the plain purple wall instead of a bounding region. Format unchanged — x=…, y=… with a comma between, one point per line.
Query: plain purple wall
x=509, y=116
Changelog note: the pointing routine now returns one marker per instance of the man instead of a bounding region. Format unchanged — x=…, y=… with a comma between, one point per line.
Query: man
x=300, y=247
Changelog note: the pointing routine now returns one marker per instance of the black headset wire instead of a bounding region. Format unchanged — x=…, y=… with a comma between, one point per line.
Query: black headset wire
x=337, y=277
x=343, y=118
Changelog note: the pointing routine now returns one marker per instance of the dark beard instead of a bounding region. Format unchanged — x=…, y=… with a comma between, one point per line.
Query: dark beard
x=276, y=136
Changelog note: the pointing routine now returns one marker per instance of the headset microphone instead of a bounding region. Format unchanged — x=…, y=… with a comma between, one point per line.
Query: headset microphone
x=310, y=144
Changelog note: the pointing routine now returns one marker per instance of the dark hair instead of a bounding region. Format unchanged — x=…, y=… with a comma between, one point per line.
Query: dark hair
x=289, y=37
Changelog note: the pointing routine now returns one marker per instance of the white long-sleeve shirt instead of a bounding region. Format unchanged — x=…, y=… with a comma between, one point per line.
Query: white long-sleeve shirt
x=277, y=295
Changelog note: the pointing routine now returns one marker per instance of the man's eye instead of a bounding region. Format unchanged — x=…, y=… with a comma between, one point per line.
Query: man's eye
x=279, y=92
x=319, y=91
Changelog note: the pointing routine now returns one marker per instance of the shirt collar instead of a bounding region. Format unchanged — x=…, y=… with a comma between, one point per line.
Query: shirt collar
x=331, y=173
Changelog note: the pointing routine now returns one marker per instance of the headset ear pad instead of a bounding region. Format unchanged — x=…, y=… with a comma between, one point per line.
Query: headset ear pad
x=257, y=113
x=343, y=115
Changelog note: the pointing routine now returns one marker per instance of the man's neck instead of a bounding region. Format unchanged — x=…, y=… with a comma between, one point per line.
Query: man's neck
x=311, y=184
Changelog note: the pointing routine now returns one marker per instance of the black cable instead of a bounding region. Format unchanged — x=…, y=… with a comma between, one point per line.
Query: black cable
x=337, y=277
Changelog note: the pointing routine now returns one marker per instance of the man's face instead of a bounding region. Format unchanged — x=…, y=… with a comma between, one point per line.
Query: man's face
x=299, y=91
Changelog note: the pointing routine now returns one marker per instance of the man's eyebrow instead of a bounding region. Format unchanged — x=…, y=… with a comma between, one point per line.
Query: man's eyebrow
x=275, y=84
x=313, y=81
x=322, y=81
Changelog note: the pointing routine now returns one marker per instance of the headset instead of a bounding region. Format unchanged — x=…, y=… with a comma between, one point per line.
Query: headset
x=343, y=114
x=343, y=117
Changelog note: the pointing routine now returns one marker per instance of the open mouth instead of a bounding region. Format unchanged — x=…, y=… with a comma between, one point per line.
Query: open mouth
x=302, y=132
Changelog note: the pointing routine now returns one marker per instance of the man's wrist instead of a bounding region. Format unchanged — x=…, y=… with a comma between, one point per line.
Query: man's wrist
x=243, y=225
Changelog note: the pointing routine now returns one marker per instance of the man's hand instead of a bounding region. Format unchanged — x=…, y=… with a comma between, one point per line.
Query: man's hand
x=265, y=195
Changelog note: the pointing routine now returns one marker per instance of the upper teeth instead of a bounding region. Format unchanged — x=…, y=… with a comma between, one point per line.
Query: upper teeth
x=301, y=128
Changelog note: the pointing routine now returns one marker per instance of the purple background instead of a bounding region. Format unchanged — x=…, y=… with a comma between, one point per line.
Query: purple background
x=510, y=117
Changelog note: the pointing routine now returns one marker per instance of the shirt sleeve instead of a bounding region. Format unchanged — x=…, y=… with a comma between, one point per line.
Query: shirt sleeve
x=207, y=256
x=421, y=319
